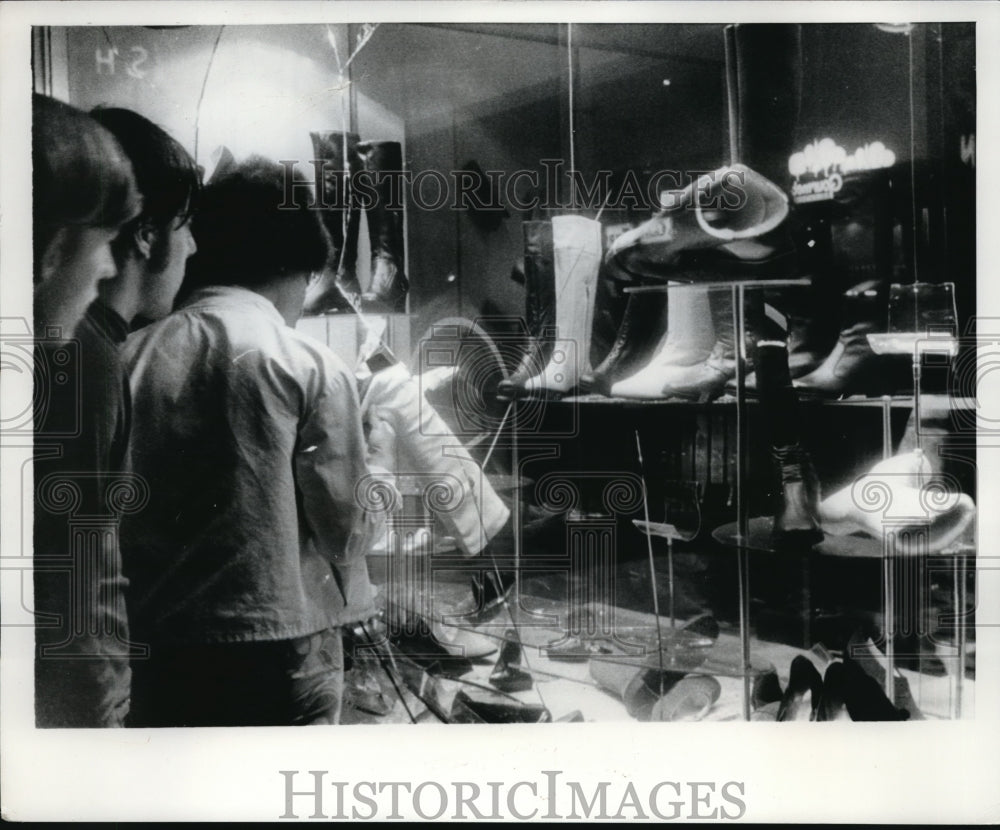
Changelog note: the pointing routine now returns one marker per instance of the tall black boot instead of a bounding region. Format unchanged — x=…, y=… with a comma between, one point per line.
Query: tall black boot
x=766, y=70
x=341, y=218
x=638, y=336
x=384, y=209
x=539, y=305
x=796, y=519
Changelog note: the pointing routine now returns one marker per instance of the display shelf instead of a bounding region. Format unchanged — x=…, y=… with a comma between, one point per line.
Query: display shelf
x=729, y=401
x=851, y=546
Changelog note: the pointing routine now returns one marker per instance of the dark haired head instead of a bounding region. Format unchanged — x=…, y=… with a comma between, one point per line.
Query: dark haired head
x=167, y=176
x=80, y=175
x=252, y=226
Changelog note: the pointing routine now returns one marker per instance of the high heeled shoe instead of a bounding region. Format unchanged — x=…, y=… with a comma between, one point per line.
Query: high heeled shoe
x=802, y=695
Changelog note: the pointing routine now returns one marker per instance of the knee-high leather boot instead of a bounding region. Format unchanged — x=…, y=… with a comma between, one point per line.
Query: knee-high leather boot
x=796, y=518
x=576, y=252
x=539, y=305
x=686, y=340
x=639, y=335
x=724, y=209
x=706, y=380
x=389, y=286
x=341, y=219
x=767, y=70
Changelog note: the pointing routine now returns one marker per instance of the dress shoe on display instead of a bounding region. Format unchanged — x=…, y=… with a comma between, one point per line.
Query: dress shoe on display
x=490, y=592
x=507, y=675
x=903, y=496
x=417, y=643
x=766, y=690
x=687, y=340
x=539, y=306
x=732, y=203
x=802, y=696
x=690, y=699
x=833, y=701
x=864, y=697
x=576, y=249
x=382, y=168
x=482, y=707
x=863, y=652
x=461, y=642
x=635, y=343
x=341, y=218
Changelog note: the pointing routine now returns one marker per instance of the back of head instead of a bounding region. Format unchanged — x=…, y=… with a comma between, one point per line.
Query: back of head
x=253, y=226
x=167, y=176
x=80, y=175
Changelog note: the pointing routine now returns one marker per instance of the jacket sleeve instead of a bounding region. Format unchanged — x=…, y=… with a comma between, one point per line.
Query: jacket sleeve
x=344, y=502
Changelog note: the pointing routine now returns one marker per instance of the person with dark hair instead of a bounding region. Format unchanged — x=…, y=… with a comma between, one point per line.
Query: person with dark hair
x=84, y=190
x=151, y=250
x=251, y=553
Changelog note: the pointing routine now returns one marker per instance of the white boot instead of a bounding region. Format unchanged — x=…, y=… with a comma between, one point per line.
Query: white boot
x=455, y=487
x=688, y=340
x=576, y=247
x=900, y=495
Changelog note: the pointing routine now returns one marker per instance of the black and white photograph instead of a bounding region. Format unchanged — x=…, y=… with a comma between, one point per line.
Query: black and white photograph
x=548, y=404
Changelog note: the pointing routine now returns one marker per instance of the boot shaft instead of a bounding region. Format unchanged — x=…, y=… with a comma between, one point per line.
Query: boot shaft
x=773, y=374
x=381, y=195
x=765, y=72
x=576, y=254
x=333, y=184
x=539, y=278
x=341, y=217
x=754, y=323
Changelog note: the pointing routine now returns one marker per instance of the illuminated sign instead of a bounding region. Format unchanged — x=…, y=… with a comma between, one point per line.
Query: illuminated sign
x=819, y=169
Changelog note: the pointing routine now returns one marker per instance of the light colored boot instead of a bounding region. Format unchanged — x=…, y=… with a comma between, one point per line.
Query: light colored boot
x=688, y=340
x=576, y=246
x=454, y=486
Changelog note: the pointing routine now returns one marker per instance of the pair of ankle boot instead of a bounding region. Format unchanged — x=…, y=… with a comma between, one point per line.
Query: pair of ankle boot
x=346, y=162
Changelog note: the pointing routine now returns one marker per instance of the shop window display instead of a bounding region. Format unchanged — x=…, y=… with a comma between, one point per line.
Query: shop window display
x=651, y=458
